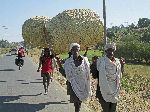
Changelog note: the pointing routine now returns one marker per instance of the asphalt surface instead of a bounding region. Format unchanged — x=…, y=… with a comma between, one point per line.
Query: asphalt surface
x=22, y=90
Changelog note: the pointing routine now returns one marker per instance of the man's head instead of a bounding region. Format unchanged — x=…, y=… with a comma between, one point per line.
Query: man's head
x=109, y=49
x=110, y=45
x=46, y=51
x=75, y=48
x=21, y=47
x=94, y=59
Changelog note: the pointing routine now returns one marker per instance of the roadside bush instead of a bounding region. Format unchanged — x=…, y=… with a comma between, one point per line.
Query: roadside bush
x=135, y=52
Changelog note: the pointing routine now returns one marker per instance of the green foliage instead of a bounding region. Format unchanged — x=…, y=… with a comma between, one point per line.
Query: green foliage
x=145, y=36
x=136, y=78
x=133, y=41
x=143, y=22
x=4, y=44
x=134, y=51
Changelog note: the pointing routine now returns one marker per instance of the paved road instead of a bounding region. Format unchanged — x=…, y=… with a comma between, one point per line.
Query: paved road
x=22, y=90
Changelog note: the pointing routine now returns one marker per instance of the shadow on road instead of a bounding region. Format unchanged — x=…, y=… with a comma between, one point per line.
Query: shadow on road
x=25, y=83
x=20, y=80
x=24, y=107
x=8, y=54
x=3, y=81
x=7, y=70
x=5, y=106
x=28, y=82
x=36, y=82
x=13, y=98
x=38, y=79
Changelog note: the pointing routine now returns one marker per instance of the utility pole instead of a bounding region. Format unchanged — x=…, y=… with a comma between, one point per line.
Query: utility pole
x=104, y=17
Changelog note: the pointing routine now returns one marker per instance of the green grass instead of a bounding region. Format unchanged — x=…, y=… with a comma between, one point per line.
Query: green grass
x=90, y=54
x=136, y=78
x=142, y=70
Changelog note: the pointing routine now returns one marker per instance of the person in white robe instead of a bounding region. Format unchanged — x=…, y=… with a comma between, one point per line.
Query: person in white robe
x=110, y=73
x=77, y=70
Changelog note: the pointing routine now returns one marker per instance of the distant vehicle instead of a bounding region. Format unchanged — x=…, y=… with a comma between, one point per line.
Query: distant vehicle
x=13, y=51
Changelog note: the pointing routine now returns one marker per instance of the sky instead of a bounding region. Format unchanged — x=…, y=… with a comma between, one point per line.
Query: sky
x=13, y=13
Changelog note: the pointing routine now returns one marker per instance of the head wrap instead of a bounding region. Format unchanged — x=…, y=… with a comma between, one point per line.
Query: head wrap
x=46, y=49
x=110, y=45
x=74, y=44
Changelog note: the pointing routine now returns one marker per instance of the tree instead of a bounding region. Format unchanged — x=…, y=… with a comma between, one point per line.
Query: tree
x=4, y=44
x=143, y=22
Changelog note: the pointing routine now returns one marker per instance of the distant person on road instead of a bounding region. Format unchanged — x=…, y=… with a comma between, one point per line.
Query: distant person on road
x=108, y=87
x=21, y=52
x=46, y=66
x=77, y=72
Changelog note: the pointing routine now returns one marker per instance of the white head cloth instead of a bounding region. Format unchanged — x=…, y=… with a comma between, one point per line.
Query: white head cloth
x=74, y=44
x=110, y=45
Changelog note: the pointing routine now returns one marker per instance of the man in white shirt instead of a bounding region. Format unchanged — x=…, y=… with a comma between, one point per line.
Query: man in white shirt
x=109, y=69
x=77, y=72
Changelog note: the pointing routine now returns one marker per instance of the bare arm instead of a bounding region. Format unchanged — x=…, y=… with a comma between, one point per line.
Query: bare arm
x=85, y=54
x=40, y=63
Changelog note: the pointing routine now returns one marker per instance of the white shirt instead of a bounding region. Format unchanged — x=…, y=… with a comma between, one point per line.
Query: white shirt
x=109, y=78
x=79, y=77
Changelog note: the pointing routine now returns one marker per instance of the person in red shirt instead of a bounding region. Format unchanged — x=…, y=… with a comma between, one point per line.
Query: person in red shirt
x=46, y=66
x=21, y=52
